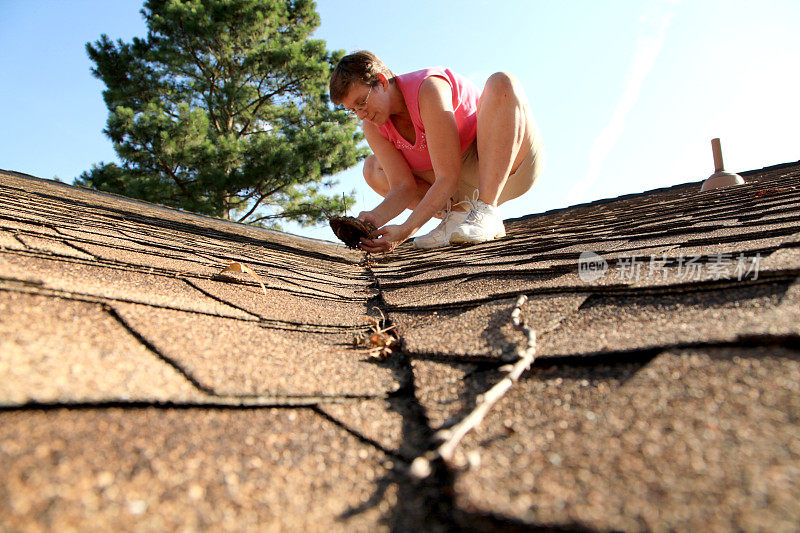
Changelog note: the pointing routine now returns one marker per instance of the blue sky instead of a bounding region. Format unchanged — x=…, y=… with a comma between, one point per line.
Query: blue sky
x=628, y=94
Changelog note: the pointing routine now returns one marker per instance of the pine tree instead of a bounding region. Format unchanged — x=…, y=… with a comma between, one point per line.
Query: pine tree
x=223, y=109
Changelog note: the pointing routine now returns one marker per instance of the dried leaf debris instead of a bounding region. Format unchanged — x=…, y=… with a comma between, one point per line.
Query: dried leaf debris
x=773, y=190
x=378, y=341
x=242, y=268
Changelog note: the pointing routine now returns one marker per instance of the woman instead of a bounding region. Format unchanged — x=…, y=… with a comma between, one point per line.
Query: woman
x=439, y=144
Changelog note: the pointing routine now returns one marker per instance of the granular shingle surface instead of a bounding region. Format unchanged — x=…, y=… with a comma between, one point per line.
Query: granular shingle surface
x=61, y=351
x=143, y=389
x=166, y=469
x=291, y=307
x=239, y=357
x=710, y=436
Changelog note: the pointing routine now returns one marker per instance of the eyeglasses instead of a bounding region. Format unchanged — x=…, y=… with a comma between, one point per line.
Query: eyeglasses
x=361, y=105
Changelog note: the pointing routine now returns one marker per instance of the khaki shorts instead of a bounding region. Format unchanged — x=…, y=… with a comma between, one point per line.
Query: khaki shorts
x=518, y=183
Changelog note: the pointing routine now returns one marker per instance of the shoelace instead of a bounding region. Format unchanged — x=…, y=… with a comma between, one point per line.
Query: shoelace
x=445, y=215
x=467, y=203
x=448, y=210
x=476, y=213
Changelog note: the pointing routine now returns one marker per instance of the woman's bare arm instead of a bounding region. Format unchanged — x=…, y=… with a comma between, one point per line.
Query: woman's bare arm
x=402, y=186
x=441, y=130
x=436, y=112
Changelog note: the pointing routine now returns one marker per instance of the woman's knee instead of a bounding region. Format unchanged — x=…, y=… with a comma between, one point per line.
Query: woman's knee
x=502, y=89
x=502, y=84
x=503, y=81
x=375, y=176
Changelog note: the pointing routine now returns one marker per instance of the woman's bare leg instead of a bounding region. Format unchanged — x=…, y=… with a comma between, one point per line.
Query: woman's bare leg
x=377, y=180
x=504, y=133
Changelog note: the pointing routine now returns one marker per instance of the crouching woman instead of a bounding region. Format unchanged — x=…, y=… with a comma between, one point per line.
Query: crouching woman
x=441, y=148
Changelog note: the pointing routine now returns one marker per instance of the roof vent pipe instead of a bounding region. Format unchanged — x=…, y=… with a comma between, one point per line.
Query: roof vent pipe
x=720, y=178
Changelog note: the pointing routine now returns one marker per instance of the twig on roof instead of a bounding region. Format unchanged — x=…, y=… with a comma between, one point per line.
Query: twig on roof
x=421, y=466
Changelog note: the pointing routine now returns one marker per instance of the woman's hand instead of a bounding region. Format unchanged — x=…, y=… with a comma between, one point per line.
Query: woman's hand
x=368, y=216
x=385, y=239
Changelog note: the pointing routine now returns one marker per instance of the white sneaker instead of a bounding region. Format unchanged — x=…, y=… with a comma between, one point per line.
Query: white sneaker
x=440, y=236
x=482, y=224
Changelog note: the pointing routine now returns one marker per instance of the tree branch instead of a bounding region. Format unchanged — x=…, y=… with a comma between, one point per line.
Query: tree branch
x=211, y=90
x=252, y=209
x=285, y=214
x=264, y=195
x=167, y=168
x=198, y=62
x=421, y=466
x=259, y=102
x=254, y=132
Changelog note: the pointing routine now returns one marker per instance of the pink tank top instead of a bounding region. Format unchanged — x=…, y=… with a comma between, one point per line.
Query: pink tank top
x=465, y=105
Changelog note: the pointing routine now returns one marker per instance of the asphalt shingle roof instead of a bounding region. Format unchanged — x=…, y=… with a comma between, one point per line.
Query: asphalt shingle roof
x=140, y=388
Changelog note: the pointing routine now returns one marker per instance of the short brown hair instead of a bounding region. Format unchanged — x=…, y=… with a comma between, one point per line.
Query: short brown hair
x=358, y=67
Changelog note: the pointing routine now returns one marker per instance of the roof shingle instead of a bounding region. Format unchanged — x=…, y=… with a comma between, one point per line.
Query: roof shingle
x=141, y=388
